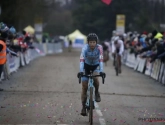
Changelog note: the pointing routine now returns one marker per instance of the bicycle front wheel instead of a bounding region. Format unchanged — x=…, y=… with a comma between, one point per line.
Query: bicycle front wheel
x=117, y=66
x=91, y=107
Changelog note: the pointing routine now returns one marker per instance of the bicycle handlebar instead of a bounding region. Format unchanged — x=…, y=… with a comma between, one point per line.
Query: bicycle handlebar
x=91, y=76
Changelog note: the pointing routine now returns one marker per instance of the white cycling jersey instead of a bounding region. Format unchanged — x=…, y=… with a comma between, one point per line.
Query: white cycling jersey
x=119, y=45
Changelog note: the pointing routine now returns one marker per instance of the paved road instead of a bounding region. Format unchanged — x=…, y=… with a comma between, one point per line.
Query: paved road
x=47, y=92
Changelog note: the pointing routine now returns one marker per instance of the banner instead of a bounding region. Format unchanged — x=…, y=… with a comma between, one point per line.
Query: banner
x=120, y=23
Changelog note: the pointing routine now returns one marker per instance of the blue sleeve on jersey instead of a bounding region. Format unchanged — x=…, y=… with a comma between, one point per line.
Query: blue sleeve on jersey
x=82, y=59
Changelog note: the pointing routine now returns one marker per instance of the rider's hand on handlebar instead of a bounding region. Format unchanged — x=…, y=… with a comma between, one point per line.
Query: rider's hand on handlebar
x=79, y=74
x=103, y=74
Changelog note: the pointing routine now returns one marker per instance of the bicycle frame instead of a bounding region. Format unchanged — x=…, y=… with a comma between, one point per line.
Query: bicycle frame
x=90, y=84
x=90, y=102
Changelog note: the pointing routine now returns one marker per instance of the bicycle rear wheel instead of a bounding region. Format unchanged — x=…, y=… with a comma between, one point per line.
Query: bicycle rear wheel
x=91, y=107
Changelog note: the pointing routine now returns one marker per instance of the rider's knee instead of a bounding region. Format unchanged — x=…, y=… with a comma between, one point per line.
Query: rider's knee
x=96, y=79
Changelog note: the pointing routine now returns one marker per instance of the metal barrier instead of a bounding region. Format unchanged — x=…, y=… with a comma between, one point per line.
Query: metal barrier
x=155, y=70
x=13, y=63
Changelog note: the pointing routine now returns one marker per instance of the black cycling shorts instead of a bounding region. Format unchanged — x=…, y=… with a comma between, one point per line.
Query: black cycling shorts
x=117, y=50
x=89, y=68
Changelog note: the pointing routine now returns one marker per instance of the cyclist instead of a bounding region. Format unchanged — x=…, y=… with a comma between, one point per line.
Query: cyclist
x=105, y=52
x=118, y=48
x=105, y=47
x=91, y=58
x=115, y=34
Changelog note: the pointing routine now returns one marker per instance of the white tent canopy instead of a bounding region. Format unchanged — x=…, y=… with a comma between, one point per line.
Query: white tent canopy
x=77, y=38
x=29, y=29
x=76, y=34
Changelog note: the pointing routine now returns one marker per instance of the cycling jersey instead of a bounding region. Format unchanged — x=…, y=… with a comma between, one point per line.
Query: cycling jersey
x=119, y=46
x=91, y=57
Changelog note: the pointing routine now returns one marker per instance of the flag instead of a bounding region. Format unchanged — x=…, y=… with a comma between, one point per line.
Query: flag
x=107, y=1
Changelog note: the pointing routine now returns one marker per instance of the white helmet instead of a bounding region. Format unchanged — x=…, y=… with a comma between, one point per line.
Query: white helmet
x=116, y=38
x=124, y=35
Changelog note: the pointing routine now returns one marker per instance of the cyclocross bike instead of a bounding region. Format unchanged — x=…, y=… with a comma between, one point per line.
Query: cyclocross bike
x=90, y=103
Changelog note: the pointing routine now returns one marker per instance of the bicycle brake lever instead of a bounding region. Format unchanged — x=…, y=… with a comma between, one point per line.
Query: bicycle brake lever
x=102, y=79
x=79, y=79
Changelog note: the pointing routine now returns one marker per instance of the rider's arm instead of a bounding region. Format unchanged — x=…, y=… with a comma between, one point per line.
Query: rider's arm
x=101, y=58
x=113, y=47
x=82, y=59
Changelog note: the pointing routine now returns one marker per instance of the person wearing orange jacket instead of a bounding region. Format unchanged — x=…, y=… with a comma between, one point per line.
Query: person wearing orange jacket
x=3, y=48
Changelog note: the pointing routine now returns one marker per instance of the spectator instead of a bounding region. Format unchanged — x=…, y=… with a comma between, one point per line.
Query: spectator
x=2, y=52
x=70, y=46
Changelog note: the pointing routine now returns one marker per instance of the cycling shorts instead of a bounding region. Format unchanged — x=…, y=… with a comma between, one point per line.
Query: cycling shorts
x=88, y=68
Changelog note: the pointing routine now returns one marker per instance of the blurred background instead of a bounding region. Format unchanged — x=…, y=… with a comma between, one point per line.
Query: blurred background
x=47, y=91
x=52, y=18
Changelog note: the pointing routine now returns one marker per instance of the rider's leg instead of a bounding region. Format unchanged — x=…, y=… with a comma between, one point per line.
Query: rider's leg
x=119, y=56
x=96, y=85
x=84, y=95
x=113, y=59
